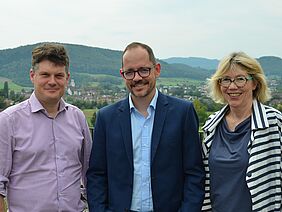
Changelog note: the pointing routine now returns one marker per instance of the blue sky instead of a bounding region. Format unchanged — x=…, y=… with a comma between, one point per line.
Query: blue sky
x=184, y=28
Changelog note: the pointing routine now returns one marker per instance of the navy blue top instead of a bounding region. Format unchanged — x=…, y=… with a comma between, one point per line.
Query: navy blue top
x=228, y=162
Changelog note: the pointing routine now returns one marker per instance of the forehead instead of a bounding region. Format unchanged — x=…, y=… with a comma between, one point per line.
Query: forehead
x=235, y=71
x=136, y=57
x=49, y=66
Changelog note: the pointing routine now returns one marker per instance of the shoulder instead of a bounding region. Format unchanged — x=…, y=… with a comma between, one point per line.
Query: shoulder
x=11, y=111
x=121, y=104
x=273, y=113
x=267, y=111
x=73, y=108
x=210, y=119
x=174, y=101
x=74, y=111
x=214, y=119
x=74, y=114
x=213, y=115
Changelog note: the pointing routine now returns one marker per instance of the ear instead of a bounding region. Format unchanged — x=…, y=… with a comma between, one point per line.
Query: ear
x=157, y=69
x=120, y=72
x=68, y=76
x=31, y=75
x=255, y=84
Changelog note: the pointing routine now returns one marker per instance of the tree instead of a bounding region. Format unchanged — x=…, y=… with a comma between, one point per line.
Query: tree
x=2, y=103
x=12, y=95
x=93, y=118
x=279, y=107
x=201, y=111
x=6, y=90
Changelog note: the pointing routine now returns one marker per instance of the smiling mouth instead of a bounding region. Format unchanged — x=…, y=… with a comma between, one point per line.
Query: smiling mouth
x=51, y=90
x=234, y=94
x=139, y=84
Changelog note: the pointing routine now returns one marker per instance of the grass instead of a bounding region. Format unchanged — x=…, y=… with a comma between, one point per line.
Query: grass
x=88, y=114
x=161, y=81
x=177, y=81
x=11, y=85
x=97, y=79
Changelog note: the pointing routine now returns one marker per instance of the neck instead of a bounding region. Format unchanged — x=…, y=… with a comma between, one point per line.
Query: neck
x=142, y=103
x=236, y=116
x=240, y=113
x=52, y=109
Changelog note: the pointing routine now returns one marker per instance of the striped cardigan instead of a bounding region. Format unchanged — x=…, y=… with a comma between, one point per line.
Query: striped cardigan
x=264, y=172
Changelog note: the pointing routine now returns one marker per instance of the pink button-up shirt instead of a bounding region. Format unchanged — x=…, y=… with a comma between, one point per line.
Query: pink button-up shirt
x=43, y=160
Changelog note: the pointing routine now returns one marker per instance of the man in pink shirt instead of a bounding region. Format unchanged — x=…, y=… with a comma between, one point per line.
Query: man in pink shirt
x=45, y=143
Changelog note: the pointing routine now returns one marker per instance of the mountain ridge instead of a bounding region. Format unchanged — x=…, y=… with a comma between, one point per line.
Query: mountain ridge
x=272, y=65
x=15, y=64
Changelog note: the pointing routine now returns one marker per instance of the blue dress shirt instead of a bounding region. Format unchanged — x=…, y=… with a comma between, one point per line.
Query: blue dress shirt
x=142, y=128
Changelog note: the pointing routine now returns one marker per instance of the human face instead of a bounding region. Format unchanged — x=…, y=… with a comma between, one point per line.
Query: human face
x=140, y=87
x=50, y=81
x=238, y=97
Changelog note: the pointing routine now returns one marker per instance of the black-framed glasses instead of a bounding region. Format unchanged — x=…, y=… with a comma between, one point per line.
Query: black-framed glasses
x=142, y=72
x=239, y=81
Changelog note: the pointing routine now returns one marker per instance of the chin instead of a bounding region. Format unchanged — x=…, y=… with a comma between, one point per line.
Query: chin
x=138, y=95
x=234, y=104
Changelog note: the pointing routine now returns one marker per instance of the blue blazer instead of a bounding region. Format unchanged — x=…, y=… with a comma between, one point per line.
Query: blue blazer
x=177, y=173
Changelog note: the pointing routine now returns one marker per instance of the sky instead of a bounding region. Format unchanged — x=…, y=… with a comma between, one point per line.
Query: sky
x=173, y=28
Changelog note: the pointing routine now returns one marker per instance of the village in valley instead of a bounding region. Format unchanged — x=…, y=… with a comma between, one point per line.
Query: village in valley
x=90, y=99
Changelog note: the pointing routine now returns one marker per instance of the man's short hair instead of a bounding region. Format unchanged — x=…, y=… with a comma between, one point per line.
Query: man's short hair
x=56, y=53
x=144, y=46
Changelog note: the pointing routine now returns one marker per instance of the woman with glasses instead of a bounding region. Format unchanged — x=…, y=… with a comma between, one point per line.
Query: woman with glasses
x=242, y=142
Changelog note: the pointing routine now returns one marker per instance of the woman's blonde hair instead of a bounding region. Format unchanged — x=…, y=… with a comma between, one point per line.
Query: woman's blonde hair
x=246, y=63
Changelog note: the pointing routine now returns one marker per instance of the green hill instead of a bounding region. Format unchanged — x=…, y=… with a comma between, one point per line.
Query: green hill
x=271, y=65
x=86, y=62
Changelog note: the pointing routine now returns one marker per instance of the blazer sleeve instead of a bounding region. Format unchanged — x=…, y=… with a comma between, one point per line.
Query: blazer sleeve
x=193, y=164
x=97, y=184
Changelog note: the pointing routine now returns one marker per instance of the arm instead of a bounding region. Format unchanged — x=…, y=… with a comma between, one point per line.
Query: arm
x=97, y=184
x=86, y=149
x=193, y=164
x=5, y=155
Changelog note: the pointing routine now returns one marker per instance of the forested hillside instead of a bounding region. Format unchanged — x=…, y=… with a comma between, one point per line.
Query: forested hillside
x=86, y=61
x=271, y=65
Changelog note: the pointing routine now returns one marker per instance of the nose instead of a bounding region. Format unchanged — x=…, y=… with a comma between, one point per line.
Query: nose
x=232, y=85
x=52, y=80
x=137, y=77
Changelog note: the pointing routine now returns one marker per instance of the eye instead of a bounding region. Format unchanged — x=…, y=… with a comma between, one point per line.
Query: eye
x=44, y=74
x=143, y=70
x=240, y=79
x=225, y=80
x=128, y=73
x=60, y=76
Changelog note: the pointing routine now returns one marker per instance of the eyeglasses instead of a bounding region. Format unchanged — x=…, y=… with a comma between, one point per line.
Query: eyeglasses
x=142, y=72
x=238, y=81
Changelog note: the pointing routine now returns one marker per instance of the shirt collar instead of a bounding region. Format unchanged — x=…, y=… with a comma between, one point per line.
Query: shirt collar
x=37, y=106
x=153, y=102
x=259, y=117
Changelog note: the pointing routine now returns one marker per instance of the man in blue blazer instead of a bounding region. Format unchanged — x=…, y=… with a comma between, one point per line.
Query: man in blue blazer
x=146, y=153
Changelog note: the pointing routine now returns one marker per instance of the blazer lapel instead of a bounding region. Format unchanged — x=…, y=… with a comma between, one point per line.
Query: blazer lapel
x=125, y=124
x=160, y=114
